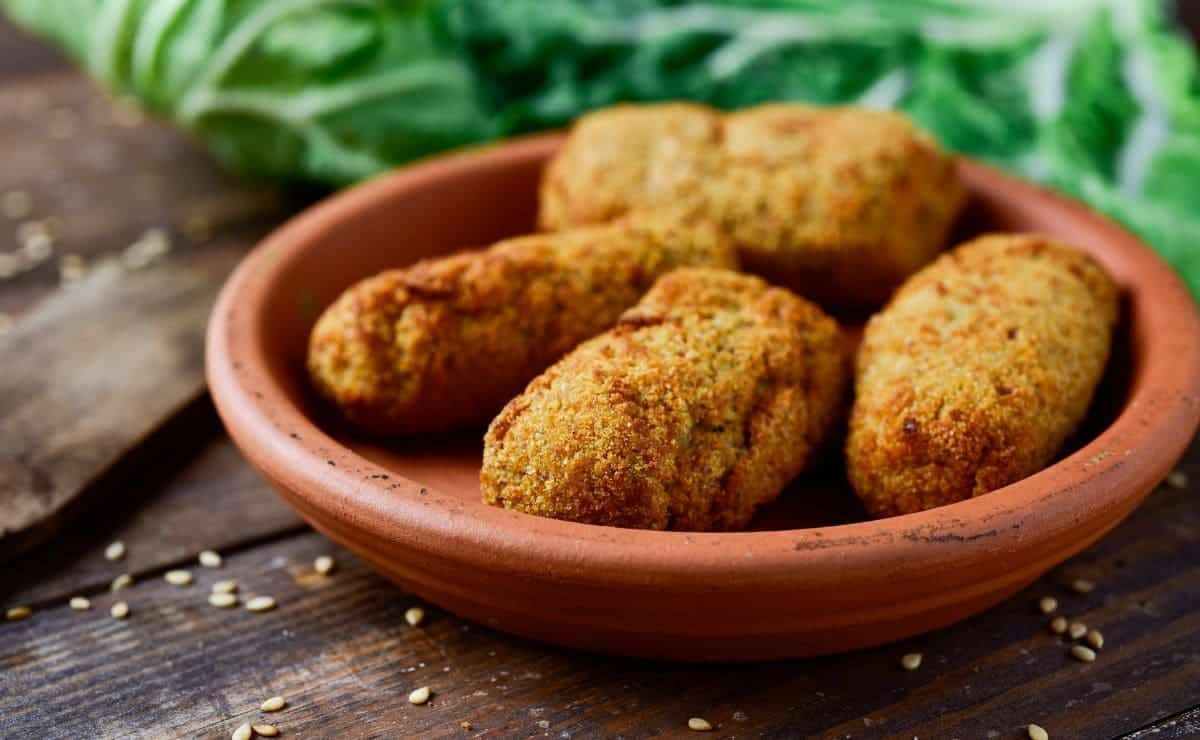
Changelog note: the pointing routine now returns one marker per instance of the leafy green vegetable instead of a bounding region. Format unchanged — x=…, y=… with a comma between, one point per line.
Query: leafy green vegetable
x=1098, y=98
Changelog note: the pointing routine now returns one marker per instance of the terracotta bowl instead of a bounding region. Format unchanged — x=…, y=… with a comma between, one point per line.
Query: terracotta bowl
x=813, y=577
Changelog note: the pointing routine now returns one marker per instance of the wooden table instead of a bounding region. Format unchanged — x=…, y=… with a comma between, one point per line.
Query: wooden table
x=91, y=368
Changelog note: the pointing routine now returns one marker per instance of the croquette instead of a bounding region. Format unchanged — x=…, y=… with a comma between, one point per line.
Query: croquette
x=977, y=372
x=445, y=343
x=703, y=402
x=839, y=204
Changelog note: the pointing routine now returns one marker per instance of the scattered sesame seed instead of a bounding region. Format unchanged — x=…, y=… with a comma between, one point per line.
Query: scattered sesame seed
x=1048, y=604
x=80, y=604
x=1077, y=630
x=1177, y=479
x=274, y=704
x=222, y=601
x=37, y=248
x=465, y=725
x=419, y=696
x=324, y=565
x=1085, y=654
x=16, y=204
x=122, y=581
x=6, y=323
x=261, y=604
x=17, y=613
x=115, y=551
x=71, y=268
x=266, y=730
x=699, y=724
x=1095, y=639
x=1083, y=585
x=210, y=559
x=1037, y=733
x=178, y=577
x=119, y=610
x=911, y=661
x=151, y=245
x=243, y=732
x=225, y=587
x=126, y=114
x=414, y=616
x=1058, y=625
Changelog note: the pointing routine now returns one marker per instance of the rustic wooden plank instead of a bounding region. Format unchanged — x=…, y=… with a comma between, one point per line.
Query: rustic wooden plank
x=1183, y=726
x=97, y=365
x=189, y=490
x=339, y=649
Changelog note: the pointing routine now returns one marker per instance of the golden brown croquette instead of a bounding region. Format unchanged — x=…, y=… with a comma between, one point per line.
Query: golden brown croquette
x=839, y=204
x=447, y=342
x=977, y=372
x=702, y=403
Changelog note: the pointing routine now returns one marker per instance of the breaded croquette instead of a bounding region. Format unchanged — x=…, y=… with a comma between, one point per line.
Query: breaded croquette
x=839, y=204
x=702, y=403
x=445, y=343
x=977, y=372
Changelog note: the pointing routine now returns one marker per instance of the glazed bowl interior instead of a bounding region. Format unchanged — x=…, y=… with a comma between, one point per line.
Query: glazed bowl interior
x=367, y=241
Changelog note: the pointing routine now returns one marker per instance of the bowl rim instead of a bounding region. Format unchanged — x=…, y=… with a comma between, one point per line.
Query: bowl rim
x=1093, y=487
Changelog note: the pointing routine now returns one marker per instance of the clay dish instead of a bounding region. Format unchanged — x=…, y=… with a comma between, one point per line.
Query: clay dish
x=814, y=577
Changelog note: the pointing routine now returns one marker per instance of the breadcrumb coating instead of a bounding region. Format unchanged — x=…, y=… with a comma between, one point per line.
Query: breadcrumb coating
x=839, y=204
x=977, y=372
x=445, y=343
x=703, y=402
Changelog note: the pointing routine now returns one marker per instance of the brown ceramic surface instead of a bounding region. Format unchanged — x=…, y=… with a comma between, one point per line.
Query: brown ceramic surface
x=814, y=577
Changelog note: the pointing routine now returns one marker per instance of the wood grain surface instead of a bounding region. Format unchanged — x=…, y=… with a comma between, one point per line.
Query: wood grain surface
x=338, y=646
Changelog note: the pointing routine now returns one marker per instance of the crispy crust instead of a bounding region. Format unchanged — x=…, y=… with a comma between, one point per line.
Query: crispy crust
x=445, y=343
x=840, y=204
x=703, y=403
x=977, y=372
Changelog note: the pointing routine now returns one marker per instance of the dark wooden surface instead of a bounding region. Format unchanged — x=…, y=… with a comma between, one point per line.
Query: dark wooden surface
x=338, y=646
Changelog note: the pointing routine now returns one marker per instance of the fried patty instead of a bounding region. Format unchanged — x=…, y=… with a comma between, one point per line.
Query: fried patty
x=702, y=403
x=445, y=343
x=839, y=204
x=977, y=372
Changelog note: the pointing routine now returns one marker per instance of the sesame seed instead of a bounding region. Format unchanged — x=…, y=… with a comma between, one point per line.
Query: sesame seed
x=17, y=613
x=261, y=604
x=210, y=559
x=465, y=725
x=1085, y=654
x=1083, y=585
x=37, y=248
x=178, y=577
x=699, y=724
x=911, y=661
x=225, y=587
x=419, y=696
x=80, y=604
x=1095, y=639
x=119, y=610
x=243, y=732
x=222, y=601
x=1048, y=604
x=1058, y=625
x=1077, y=630
x=1177, y=479
x=126, y=114
x=115, y=551
x=274, y=704
x=16, y=204
x=122, y=581
x=6, y=323
x=71, y=268
x=266, y=730
x=1037, y=733
x=324, y=565
x=414, y=616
